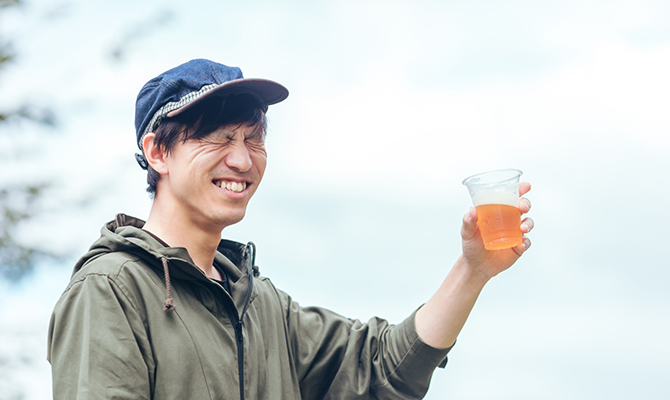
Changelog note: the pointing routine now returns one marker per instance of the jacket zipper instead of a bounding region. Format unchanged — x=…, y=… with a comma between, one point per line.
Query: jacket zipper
x=240, y=356
x=239, y=340
x=237, y=322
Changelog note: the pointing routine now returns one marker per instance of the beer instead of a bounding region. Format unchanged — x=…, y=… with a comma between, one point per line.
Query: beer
x=499, y=226
x=495, y=195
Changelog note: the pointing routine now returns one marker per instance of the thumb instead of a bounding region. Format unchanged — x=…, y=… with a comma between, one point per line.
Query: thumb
x=469, y=228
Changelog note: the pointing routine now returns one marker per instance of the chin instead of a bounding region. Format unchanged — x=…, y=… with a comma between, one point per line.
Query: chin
x=228, y=219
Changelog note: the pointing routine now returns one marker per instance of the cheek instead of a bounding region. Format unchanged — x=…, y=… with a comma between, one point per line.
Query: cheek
x=261, y=163
x=205, y=162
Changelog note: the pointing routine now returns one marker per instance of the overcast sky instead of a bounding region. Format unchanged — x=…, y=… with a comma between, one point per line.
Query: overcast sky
x=392, y=104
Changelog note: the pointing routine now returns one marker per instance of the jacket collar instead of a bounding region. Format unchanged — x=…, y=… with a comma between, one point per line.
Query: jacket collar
x=125, y=234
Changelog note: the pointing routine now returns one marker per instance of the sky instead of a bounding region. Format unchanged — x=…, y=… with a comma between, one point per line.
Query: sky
x=392, y=104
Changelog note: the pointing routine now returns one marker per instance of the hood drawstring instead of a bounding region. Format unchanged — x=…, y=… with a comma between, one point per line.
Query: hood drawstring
x=168, y=305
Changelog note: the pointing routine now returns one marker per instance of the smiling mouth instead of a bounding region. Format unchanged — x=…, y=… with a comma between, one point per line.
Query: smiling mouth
x=235, y=187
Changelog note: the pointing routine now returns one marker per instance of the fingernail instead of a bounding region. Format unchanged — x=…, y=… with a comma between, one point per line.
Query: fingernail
x=524, y=227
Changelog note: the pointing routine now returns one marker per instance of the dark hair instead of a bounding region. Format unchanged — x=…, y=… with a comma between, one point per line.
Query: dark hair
x=203, y=119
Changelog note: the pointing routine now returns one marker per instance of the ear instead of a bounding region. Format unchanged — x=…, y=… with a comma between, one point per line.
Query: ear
x=156, y=158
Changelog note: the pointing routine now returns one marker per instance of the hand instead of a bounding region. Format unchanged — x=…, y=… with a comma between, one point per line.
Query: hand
x=491, y=263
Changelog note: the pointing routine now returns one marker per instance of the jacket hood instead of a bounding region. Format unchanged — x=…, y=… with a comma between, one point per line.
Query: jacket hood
x=125, y=234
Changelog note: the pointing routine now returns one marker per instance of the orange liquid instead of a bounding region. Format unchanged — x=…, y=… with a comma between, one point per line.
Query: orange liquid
x=499, y=226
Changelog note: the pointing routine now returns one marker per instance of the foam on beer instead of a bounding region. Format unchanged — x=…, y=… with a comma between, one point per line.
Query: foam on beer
x=496, y=198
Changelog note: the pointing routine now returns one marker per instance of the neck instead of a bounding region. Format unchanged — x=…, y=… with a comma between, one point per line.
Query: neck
x=177, y=230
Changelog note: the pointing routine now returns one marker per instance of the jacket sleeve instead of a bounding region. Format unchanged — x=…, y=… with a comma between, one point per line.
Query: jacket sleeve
x=96, y=342
x=340, y=358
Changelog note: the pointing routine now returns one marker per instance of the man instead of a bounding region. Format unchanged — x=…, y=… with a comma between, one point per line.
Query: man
x=167, y=310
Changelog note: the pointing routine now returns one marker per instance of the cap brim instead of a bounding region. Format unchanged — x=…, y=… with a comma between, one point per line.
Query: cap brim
x=266, y=91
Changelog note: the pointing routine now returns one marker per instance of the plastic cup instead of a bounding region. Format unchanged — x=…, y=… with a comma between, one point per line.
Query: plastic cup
x=495, y=195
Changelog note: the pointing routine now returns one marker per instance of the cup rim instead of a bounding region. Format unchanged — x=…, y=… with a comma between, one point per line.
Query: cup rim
x=477, y=177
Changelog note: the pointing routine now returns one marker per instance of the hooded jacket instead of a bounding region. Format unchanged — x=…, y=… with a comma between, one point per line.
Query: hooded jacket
x=111, y=338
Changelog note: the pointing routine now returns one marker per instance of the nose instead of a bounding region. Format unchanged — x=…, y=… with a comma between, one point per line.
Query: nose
x=238, y=158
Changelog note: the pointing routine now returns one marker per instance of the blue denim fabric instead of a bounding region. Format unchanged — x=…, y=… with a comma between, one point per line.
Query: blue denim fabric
x=172, y=86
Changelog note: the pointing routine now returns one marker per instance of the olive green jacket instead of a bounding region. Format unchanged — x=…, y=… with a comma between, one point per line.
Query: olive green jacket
x=110, y=337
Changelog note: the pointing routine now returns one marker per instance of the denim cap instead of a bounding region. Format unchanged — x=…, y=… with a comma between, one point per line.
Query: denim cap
x=176, y=90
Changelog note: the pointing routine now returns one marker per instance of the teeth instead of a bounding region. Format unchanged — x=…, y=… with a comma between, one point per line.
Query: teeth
x=232, y=186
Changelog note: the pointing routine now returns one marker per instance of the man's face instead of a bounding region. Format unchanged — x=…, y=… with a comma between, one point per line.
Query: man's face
x=210, y=180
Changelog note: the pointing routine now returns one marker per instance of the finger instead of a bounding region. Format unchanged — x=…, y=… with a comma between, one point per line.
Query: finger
x=524, y=205
x=527, y=225
x=523, y=247
x=469, y=228
x=524, y=187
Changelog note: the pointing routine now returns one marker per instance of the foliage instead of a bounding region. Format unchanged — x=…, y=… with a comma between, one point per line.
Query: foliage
x=18, y=202
x=7, y=3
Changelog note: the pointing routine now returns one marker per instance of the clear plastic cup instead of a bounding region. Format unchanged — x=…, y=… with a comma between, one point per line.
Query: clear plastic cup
x=495, y=195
